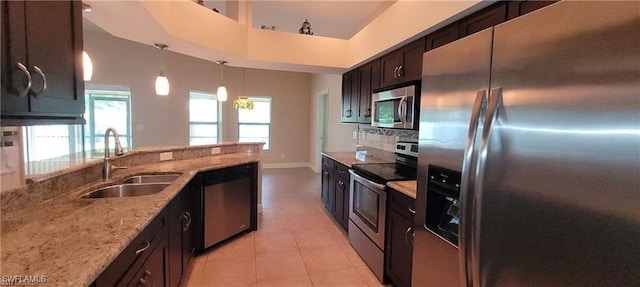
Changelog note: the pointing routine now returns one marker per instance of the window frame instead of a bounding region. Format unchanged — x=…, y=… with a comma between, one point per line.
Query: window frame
x=260, y=99
x=205, y=95
x=91, y=95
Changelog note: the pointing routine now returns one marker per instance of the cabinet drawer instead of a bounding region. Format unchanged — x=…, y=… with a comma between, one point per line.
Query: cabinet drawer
x=137, y=251
x=401, y=203
x=342, y=171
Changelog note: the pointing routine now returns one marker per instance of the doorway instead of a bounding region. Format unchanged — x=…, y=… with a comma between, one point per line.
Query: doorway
x=321, y=128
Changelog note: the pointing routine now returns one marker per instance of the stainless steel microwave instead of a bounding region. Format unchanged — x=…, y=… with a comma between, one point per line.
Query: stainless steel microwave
x=396, y=108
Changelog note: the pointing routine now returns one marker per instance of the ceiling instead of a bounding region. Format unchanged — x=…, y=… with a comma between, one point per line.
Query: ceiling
x=329, y=18
x=349, y=31
x=336, y=19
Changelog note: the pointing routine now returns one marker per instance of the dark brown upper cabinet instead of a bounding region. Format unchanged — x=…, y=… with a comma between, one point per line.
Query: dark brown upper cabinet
x=519, y=8
x=350, y=85
x=402, y=65
x=42, y=81
x=483, y=19
x=369, y=75
x=443, y=36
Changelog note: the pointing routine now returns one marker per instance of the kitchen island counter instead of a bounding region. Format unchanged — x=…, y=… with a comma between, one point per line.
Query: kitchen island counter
x=70, y=240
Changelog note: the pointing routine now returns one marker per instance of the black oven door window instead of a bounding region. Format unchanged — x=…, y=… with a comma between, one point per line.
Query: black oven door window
x=366, y=203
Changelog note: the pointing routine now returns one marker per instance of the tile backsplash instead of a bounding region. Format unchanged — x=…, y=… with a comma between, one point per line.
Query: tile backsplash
x=380, y=142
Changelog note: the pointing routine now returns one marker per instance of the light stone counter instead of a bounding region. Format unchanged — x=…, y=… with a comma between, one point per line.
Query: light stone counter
x=408, y=187
x=71, y=240
x=350, y=158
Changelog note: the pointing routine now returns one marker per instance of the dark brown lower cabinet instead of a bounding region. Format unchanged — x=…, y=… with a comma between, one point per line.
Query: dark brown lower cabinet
x=335, y=190
x=152, y=273
x=161, y=253
x=399, y=238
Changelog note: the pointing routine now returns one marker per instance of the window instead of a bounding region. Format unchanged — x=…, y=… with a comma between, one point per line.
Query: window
x=203, y=118
x=53, y=147
x=105, y=109
x=255, y=125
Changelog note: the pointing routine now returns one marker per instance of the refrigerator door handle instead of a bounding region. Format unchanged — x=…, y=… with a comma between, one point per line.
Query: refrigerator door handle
x=495, y=101
x=466, y=192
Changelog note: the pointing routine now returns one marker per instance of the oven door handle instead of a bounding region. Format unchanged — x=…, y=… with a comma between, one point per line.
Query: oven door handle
x=366, y=182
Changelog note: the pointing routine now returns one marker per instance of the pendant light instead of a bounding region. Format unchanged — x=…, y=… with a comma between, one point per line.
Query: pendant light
x=162, y=83
x=221, y=94
x=243, y=102
x=87, y=66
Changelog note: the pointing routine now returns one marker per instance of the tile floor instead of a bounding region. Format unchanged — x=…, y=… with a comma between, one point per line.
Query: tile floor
x=297, y=243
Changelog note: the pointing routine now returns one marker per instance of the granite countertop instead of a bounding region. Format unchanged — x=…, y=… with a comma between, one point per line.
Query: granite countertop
x=72, y=240
x=350, y=158
x=408, y=187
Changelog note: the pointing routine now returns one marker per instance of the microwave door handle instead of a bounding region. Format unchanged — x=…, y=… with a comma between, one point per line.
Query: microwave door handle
x=403, y=114
x=400, y=110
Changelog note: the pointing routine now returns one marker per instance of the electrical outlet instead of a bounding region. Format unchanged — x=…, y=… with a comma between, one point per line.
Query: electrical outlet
x=215, y=150
x=166, y=156
x=355, y=135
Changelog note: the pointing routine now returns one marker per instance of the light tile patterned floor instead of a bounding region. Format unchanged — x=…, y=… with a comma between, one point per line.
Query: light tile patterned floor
x=297, y=243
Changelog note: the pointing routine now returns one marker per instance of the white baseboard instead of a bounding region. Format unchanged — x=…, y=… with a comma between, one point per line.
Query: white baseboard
x=286, y=165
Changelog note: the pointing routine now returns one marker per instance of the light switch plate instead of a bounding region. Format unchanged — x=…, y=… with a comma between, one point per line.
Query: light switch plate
x=215, y=150
x=166, y=156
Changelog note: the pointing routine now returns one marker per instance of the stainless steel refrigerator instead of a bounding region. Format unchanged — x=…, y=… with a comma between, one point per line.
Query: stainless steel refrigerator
x=529, y=156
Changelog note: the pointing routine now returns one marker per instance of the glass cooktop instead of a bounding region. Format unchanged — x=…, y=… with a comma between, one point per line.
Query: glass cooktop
x=383, y=172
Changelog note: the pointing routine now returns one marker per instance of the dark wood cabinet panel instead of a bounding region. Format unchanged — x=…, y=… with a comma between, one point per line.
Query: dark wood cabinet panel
x=339, y=203
x=389, y=65
x=443, y=36
x=483, y=19
x=411, y=68
x=399, y=249
x=175, y=255
x=327, y=187
x=46, y=38
x=349, y=97
x=399, y=238
x=369, y=75
x=402, y=65
x=519, y=8
x=14, y=54
x=153, y=272
x=335, y=190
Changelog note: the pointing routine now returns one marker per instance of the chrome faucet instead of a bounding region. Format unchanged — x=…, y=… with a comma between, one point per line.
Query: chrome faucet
x=107, y=168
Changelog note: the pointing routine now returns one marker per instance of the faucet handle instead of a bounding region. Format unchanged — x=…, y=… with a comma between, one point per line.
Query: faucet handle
x=113, y=167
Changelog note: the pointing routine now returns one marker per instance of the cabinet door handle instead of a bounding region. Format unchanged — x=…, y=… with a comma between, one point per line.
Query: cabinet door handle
x=340, y=183
x=187, y=216
x=406, y=236
x=146, y=246
x=411, y=210
x=27, y=75
x=401, y=71
x=395, y=72
x=38, y=71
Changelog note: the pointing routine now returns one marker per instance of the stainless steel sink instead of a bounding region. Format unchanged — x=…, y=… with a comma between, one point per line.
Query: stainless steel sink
x=127, y=190
x=152, y=178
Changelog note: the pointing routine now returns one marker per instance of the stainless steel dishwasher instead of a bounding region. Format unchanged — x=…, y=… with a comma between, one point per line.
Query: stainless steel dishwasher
x=227, y=203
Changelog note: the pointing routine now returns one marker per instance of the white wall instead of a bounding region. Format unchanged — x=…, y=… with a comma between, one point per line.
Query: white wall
x=339, y=135
x=119, y=62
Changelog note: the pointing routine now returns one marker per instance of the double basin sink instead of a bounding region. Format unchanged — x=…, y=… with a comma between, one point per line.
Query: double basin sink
x=134, y=186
